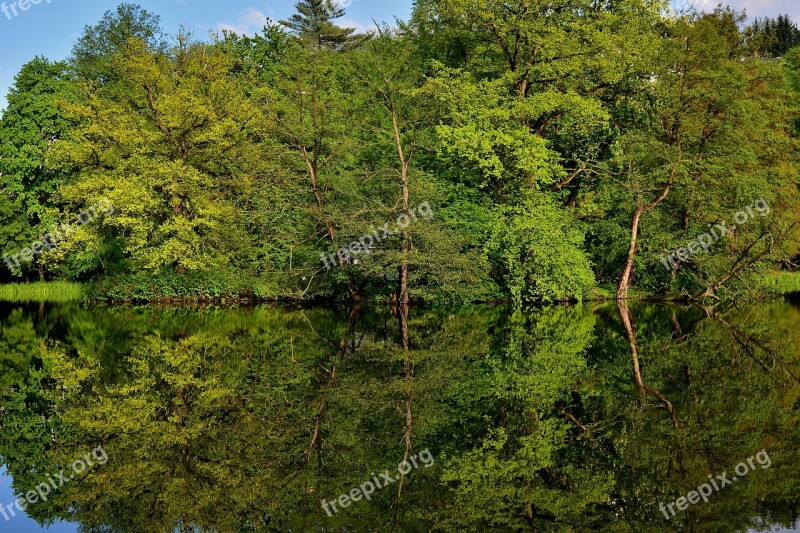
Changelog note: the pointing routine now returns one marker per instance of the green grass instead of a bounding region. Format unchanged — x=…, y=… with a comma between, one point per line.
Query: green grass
x=56, y=292
x=780, y=282
x=601, y=292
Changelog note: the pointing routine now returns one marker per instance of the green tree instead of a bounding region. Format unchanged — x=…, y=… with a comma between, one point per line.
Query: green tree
x=31, y=124
x=698, y=157
x=92, y=54
x=175, y=159
x=308, y=118
x=774, y=37
x=314, y=25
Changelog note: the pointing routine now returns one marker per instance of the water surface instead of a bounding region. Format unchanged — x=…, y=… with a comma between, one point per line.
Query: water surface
x=561, y=419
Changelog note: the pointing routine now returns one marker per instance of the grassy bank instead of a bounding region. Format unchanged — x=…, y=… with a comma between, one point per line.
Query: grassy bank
x=56, y=291
x=780, y=283
x=777, y=283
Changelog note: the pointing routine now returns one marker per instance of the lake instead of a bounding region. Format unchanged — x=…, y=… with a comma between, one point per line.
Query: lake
x=605, y=417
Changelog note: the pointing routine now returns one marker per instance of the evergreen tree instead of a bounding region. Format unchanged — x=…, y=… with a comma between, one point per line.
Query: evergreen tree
x=774, y=37
x=313, y=24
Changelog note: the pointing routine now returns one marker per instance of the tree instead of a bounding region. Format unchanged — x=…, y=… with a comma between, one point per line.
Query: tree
x=424, y=255
x=698, y=157
x=31, y=124
x=173, y=154
x=774, y=37
x=390, y=76
x=258, y=57
x=607, y=131
x=308, y=117
x=92, y=53
x=527, y=114
x=313, y=24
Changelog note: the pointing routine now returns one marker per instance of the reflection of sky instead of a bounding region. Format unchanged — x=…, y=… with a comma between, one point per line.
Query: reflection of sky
x=778, y=529
x=21, y=523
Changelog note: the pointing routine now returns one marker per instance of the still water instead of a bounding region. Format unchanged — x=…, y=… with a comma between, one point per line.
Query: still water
x=648, y=418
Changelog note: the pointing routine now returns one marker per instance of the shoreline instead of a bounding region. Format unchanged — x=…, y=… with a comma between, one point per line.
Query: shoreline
x=69, y=292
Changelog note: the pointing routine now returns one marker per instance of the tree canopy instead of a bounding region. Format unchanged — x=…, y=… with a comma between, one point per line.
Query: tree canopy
x=563, y=154
x=314, y=23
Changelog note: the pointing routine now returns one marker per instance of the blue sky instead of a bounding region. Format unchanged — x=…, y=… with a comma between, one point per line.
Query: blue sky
x=52, y=26
x=21, y=523
x=50, y=29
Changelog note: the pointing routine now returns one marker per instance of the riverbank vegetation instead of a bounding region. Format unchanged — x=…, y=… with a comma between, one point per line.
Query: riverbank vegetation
x=52, y=292
x=559, y=150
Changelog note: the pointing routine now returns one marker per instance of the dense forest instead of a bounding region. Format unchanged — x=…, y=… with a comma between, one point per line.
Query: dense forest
x=525, y=151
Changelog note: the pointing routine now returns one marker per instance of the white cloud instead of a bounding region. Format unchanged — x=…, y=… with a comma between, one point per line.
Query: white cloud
x=754, y=8
x=249, y=23
x=350, y=23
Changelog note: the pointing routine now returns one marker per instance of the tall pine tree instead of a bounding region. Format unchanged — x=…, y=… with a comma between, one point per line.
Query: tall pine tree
x=775, y=37
x=313, y=23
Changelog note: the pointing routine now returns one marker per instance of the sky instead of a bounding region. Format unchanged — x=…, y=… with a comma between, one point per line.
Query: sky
x=757, y=8
x=50, y=27
x=19, y=523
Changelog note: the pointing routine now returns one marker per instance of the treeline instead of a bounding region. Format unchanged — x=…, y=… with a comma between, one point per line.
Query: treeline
x=561, y=151
x=775, y=37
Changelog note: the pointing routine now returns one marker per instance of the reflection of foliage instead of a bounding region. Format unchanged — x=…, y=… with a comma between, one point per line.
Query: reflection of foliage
x=233, y=420
x=182, y=418
x=27, y=419
x=728, y=408
x=513, y=476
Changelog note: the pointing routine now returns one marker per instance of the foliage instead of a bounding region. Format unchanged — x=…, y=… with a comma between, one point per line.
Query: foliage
x=54, y=291
x=92, y=55
x=31, y=125
x=774, y=37
x=540, y=253
x=314, y=25
x=241, y=420
x=554, y=146
x=172, y=158
x=779, y=283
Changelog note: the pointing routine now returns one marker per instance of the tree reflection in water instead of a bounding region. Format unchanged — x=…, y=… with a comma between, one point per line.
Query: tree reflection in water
x=557, y=419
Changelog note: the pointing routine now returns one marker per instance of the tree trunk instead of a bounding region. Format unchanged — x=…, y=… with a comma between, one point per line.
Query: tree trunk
x=642, y=388
x=627, y=273
x=342, y=353
x=408, y=367
x=639, y=210
x=407, y=244
x=741, y=264
x=630, y=333
x=313, y=172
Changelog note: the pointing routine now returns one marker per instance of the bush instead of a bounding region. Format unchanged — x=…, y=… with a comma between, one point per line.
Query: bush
x=538, y=250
